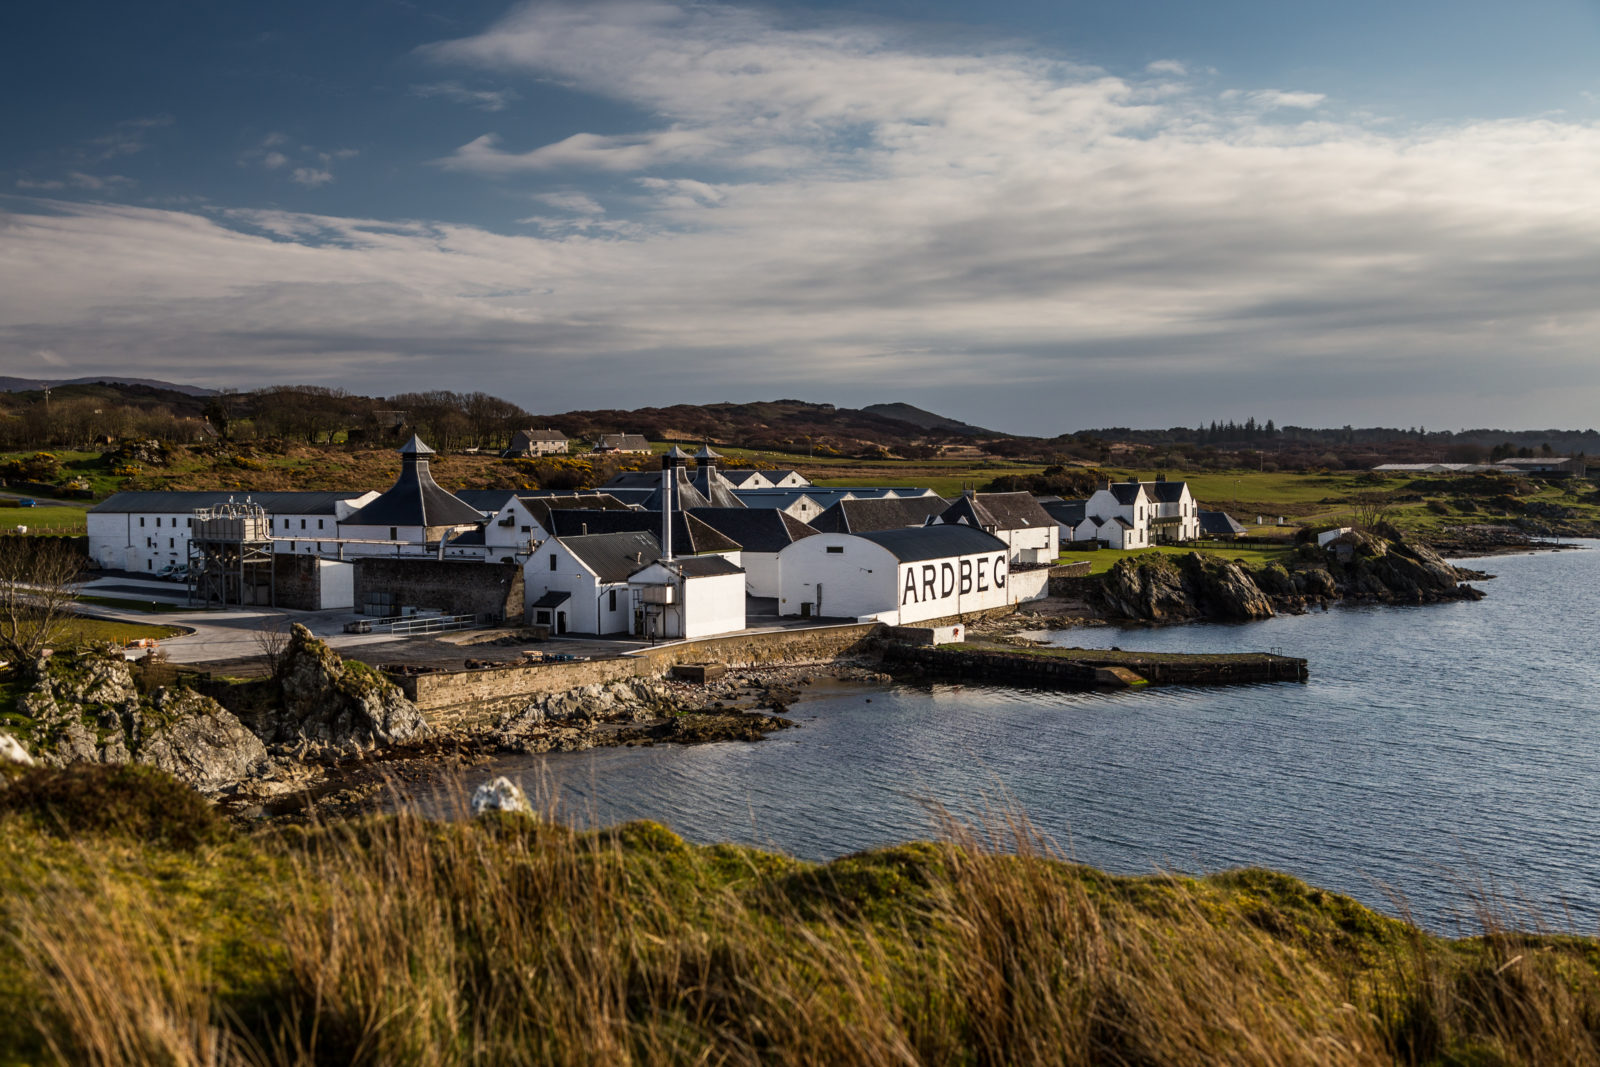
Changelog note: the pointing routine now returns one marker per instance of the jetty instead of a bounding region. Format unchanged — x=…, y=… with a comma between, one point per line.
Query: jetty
x=1090, y=668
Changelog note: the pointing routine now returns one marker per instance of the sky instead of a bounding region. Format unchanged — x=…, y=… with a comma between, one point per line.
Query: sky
x=1035, y=216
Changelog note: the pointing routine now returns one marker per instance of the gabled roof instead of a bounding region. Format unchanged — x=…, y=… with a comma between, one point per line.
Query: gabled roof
x=489, y=500
x=1015, y=511
x=755, y=529
x=540, y=507
x=934, y=542
x=178, y=501
x=614, y=556
x=701, y=566
x=883, y=513
x=1126, y=492
x=1066, y=512
x=548, y=436
x=625, y=442
x=777, y=476
x=700, y=488
x=415, y=499
x=737, y=478
x=689, y=534
x=1165, y=492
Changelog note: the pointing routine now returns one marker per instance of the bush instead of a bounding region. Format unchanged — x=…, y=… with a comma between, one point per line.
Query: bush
x=121, y=800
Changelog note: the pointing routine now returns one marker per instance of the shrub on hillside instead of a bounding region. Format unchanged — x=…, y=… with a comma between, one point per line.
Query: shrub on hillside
x=120, y=800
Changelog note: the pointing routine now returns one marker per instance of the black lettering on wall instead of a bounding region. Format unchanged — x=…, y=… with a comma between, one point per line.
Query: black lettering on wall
x=930, y=576
x=1000, y=572
x=947, y=579
x=966, y=577
x=983, y=581
x=908, y=595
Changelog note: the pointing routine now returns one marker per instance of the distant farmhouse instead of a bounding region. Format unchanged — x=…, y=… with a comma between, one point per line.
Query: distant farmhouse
x=527, y=444
x=1128, y=515
x=622, y=442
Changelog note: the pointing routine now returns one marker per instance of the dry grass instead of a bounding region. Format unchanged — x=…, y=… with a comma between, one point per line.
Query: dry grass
x=513, y=940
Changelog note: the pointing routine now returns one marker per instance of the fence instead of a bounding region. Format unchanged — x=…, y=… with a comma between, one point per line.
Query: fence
x=408, y=625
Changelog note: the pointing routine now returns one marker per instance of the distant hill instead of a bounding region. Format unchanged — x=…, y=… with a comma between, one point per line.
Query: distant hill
x=27, y=385
x=927, y=420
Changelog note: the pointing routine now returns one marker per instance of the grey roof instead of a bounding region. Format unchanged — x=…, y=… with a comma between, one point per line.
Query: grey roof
x=755, y=529
x=539, y=435
x=178, y=501
x=780, y=498
x=1126, y=492
x=884, y=513
x=934, y=542
x=689, y=534
x=1219, y=524
x=490, y=500
x=778, y=476
x=701, y=488
x=737, y=478
x=704, y=566
x=541, y=507
x=554, y=598
x=622, y=441
x=1066, y=512
x=999, y=511
x=1165, y=492
x=705, y=453
x=415, y=499
x=614, y=556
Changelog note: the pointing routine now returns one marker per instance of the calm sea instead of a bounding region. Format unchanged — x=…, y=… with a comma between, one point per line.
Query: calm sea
x=1436, y=752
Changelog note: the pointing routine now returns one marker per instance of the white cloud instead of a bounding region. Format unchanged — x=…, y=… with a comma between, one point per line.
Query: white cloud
x=482, y=99
x=1167, y=66
x=311, y=176
x=274, y=160
x=830, y=212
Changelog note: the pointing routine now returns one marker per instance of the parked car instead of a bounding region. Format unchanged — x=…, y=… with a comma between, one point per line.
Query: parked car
x=27, y=502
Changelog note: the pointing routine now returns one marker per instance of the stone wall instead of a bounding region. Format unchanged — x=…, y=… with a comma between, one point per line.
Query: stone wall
x=1074, y=587
x=491, y=591
x=474, y=698
x=296, y=581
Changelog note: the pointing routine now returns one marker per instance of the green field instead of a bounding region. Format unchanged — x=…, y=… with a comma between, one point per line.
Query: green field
x=1251, y=556
x=64, y=520
x=81, y=630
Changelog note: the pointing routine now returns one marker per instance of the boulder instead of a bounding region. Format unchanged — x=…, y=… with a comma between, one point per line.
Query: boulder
x=198, y=741
x=502, y=794
x=348, y=705
x=11, y=751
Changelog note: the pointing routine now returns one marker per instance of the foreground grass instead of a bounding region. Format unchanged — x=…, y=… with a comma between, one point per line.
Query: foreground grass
x=141, y=930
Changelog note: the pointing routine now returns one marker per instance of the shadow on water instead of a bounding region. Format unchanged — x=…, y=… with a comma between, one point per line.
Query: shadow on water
x=1442, y=753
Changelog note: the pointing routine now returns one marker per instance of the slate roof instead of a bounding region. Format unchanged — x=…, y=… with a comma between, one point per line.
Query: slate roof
x=934, y=542
x=782, y=498
x=1165, y=492
x=1066, y=512
x=622, y=442
x=178, y=502
x=415, y=499
x=689, y=534
x=705, y=566
x=555, y=436
x=1219, y=524
x=614, y=556
x=777, y=476
x=1126, y=492
x=553, y=599
x=487, y=500
x=999, y=511
x=540, y=507
x=755, y=529
x=737, y=479
x=700, y=488
x=883, y=513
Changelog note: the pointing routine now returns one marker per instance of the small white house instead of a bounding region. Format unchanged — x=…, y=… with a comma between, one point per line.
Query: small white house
x=1125, y=501
x=897, y=576
x=580, y=584
x=700, y=596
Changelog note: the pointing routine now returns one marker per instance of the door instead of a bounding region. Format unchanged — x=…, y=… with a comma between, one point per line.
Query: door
x=561, y=622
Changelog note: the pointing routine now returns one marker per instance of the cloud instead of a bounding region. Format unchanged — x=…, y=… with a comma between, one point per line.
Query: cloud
x=274, y=160
x=311, y=176
x=833, y=212
x=126, y=138
x=1167, y=66
x=482, y=99
x=307, y=165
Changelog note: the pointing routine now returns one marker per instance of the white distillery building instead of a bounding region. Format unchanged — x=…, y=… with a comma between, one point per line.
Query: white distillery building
x=415, y=513
x=1016, y=518
x=580, y=584
x=761, y=534
x=149, y=532
x=899, y=576
x=1121, y=515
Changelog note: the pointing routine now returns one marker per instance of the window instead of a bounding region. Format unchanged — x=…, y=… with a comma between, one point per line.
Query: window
x=189, y=522
x=141, y=520
x=319, y=524
x=158, y=521
x=613, y=600
x=302, y=524
x=291, y=546
x=172, y=542
x=527, y=529
x=149, y=565
x=836, y=550
x=394, y=534
x=552, y=561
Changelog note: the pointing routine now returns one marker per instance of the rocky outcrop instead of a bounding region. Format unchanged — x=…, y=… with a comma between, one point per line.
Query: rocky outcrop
x=86, y=708
x=11, y=751
x=1381, y=566
x=1160, y=589
x=623, y=712
x=349, y=706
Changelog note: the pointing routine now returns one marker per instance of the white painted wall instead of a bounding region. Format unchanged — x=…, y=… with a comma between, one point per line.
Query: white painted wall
x=760, y=573
x=713, y=605
x=936, y=588
x=858, y=579
x=570, y=576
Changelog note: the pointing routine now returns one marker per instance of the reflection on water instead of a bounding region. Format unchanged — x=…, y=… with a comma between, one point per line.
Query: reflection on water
x=1434, y=748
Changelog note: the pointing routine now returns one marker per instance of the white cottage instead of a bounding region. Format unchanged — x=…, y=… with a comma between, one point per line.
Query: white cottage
x=1121, y=515
x=1016, y=518
x=700, y=596
x=580, y=584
